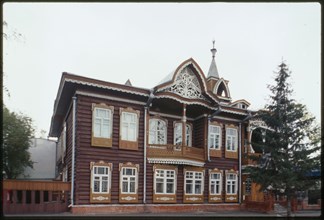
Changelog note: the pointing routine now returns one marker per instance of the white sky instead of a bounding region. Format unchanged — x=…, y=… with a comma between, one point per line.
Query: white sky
x=144, y=42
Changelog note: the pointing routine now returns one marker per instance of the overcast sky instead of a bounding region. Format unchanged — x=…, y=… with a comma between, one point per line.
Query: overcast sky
x=144, y=42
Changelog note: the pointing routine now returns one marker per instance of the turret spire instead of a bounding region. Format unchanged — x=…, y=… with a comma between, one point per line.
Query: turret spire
x=213, y=72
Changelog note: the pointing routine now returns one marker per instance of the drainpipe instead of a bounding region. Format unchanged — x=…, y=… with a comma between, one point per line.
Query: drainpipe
x=240, y=161
x=144, y=178
x=208, y=153
x=73, y=149
x=148, y=104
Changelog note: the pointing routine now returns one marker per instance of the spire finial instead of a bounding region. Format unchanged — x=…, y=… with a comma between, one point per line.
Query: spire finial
x=213, y=50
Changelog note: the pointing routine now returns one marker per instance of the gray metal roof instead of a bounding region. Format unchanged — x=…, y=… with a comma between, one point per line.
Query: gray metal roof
x=213, y=72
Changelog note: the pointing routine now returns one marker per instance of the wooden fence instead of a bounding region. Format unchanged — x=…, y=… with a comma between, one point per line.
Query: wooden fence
x=22, y=197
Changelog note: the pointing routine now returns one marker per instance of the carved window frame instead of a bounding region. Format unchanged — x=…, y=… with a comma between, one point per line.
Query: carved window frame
x=128, y=197
x=102, y=141
x=129, y=144
x=215, y=197
x=100, y=197
x=194, y=197
x=156, y=118
x=231, y=196
x=165, y=197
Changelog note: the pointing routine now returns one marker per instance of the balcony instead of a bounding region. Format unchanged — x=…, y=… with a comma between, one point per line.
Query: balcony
x=175, y=154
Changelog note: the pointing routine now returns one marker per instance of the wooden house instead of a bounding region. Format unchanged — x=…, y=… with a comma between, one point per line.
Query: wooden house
x=178, y=146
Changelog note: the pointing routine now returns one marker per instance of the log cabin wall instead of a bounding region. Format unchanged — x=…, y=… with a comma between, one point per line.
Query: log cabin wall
x=85, y=153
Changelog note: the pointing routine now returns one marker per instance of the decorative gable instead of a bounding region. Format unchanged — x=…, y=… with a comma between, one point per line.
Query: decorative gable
x=186, y=84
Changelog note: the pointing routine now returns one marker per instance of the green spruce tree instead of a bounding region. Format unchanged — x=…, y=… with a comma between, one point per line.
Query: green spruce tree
x=291, y=144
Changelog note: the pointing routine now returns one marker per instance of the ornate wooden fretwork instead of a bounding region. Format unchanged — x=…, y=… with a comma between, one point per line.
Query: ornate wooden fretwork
x=186, y=84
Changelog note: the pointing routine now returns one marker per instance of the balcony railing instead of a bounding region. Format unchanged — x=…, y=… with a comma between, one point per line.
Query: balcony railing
x=176, y=152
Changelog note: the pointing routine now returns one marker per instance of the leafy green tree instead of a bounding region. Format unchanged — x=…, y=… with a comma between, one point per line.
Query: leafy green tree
x=17, y=134
x=291, y=144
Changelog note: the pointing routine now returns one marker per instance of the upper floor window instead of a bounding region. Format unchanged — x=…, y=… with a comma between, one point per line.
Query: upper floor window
x=158, y=131
x=178, y=134
x=102, y=121
x=129, y=122
x=194, y=182
x=129, y=126
x=214, y=137
x=231, y=139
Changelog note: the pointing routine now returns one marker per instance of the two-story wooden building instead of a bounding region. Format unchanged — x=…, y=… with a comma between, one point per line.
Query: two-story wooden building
x=175, y=147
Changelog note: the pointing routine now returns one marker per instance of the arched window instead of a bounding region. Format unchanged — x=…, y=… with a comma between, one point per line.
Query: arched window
x=178, y=134
x=158, y=131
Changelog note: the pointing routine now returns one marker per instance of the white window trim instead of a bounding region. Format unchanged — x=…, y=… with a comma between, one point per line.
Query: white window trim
x=194, y=182
x=128, y=123
x=220, y=183
x=110, y=122
x=231, y=136
x=190, y=134
x=235, y=181
x=93, y=176
x=214, y=134
x=165, y=182
x=156, y=131
x=128, y=181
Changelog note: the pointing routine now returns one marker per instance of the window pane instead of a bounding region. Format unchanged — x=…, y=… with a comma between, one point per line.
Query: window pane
x=159, y=187
x=170, y=187
x=96, y=184
x=125, y=187
x=104, y=184
x=189, y=189
x=198, y=187
x=132, y=187
x=101, y=170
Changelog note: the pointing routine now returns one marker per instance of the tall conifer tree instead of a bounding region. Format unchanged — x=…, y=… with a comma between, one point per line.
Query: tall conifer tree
x=291, y=144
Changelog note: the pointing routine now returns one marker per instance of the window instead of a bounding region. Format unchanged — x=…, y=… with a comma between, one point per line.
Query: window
x=165, y=181
x=215, y=183
x=214, y=137
x=231, y=139
x=129, y=119
x=178, y=134
x=194, y=182
x=129, y=126
x=128, y=180
x=158, y=131
x=102, y=123
x=100, y=182
x=100, y=179
x=231, y=183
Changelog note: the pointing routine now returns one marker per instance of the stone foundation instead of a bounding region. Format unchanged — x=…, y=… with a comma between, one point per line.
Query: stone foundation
x=153, y=208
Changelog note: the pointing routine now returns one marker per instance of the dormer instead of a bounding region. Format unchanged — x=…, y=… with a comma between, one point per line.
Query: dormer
x=242, y=104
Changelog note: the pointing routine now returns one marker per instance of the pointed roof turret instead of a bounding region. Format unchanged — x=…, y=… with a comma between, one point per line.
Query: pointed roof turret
x=213, y=72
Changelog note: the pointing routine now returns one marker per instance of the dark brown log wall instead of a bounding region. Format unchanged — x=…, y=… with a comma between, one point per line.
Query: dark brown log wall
x=85, y=153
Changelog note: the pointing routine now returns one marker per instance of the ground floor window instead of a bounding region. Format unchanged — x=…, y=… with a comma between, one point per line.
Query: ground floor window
x=194, y=182
x=100, y=185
